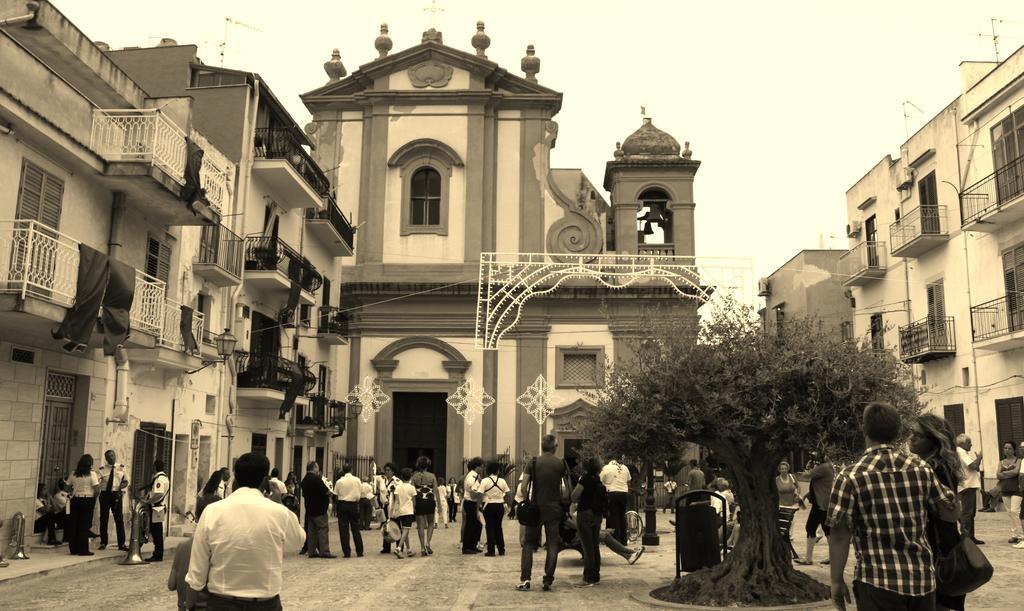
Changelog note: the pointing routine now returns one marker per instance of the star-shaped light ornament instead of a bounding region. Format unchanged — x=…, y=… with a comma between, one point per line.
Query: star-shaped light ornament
x=470, y=401
x=370, y=396
x=537, y=400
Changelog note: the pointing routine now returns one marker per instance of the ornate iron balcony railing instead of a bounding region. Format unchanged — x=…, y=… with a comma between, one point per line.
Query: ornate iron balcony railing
x=282, y=143
x=333, y=214
x=259, y=370
x=332, y=320
x=267, y=253
x=931, y=337
x=220, y=246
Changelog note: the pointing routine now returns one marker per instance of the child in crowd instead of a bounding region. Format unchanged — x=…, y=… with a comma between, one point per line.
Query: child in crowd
x=402, y=511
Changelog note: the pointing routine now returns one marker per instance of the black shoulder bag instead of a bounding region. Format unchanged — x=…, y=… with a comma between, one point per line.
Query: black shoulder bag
x=527, y=511
x=961, y=570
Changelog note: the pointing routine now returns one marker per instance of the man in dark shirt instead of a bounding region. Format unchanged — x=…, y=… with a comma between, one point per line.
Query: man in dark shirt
x=316, y=496
x=543, y=483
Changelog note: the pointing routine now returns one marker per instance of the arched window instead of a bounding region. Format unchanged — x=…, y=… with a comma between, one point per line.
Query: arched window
x=425, y=198
x=654, y=221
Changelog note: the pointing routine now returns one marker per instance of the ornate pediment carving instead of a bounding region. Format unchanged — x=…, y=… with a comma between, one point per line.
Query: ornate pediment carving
x=430, y=73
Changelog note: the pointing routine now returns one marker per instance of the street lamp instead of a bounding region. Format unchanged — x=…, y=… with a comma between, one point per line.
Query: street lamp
x=225, y=343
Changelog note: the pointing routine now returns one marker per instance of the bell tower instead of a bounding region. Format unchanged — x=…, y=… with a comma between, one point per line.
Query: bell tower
x=651, y=185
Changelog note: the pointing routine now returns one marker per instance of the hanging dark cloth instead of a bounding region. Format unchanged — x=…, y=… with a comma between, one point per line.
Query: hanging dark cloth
x=117, y=306
x=295, y=386
x=188, y=339
x=80, y=319
x=294, y=275
x=193, y=190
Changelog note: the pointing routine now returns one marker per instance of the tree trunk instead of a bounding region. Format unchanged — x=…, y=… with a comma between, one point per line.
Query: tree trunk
x=759, y=570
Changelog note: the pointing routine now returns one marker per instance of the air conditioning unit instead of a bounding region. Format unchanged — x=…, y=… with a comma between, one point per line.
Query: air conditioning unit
x=906, y=179
x=853, y=229
x=764, y=289
x=242, y=328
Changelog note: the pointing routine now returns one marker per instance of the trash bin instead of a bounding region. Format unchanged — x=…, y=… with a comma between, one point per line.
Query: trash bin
x=698, y=544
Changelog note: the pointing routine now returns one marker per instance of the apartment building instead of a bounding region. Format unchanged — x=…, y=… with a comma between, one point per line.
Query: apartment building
x=940, y=285
x=807, y=286
x=105, y=189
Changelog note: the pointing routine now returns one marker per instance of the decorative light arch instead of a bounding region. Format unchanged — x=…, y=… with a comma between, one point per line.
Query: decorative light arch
x=509, y=280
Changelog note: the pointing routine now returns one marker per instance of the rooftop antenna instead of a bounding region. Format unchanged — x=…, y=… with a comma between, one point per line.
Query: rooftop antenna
x=229, y=21
x=994, y=36
x=434, y=10
x=906, y=116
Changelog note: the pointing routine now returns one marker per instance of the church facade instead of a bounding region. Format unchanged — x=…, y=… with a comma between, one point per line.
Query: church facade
x=439, y=155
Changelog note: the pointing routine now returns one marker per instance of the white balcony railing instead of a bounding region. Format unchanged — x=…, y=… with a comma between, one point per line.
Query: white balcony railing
x=38, y=261
x=140, y=135
x=148, y=306
x=170, y=336
x=213, y=174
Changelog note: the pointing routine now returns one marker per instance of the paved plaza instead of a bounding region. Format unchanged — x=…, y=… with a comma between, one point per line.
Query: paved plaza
x=446, y=580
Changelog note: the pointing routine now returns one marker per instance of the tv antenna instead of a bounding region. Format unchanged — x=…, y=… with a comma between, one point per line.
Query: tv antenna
x=906, y=116
x=230, y=21
x=994, y=36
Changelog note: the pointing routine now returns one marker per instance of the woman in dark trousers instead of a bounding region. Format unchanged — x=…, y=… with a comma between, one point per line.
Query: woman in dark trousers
x=932, y=439
x=494, y=492
x=85, y=487
x=590, y=497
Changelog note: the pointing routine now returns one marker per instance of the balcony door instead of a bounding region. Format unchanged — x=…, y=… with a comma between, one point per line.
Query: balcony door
x=40, y=199
x=870, y=235
x=266, y=335
x=929, y=205
x=937, y=315
x=1013, y=281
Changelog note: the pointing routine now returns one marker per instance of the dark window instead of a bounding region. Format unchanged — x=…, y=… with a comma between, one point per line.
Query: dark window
x=1008, y=139
x=259, y=443
x=40, y=196
x=877, y=332
x=425, y=198
x=1009, y=421
x=1013, y=282
x=954, y=415
x=151, y=442
x=158, y=259
x=927, y=192
x=203, y=303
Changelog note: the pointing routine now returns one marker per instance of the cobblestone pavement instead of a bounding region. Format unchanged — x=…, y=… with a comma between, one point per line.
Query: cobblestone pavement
x=445, y=580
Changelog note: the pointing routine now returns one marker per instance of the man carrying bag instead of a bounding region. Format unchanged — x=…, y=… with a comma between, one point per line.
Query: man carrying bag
x=546, y=489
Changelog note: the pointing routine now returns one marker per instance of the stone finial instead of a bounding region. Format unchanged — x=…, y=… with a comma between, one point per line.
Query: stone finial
x=687, y=153
x=480, y=40
x=432, y=35
x=530, y=64
x=618, y=150
x=383, y=43
x=334, y=68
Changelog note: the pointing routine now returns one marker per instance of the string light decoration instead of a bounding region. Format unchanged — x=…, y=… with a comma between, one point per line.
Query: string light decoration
x=470, y=401
x=370, y=396
x=537, y=400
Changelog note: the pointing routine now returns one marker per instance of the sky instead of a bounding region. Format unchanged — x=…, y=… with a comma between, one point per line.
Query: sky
x=786, y=104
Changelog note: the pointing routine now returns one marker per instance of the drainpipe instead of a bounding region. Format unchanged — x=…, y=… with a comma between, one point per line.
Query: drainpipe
x=121, y=385
x=117, y=211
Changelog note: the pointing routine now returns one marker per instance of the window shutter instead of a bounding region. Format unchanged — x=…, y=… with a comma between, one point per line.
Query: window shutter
x=158, y=259
x=936, y=301
x=326, y=291
x=1009, y=420
x=322, y=380
x=53, y=194
x=31, y=196
x=139, y=453
x=955, y=417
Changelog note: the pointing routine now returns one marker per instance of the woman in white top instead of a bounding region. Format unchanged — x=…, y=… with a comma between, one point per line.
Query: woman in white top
x=442, y=502
x=85, y=485
x=494, y=493
x=402, y=511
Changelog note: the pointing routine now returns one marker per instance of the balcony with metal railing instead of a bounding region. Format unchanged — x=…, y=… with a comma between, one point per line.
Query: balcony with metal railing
x=996, y=200
x=272, y=266
x=928, y=339
x=288, y=169
x=220, y=256
x=263, y=379
x=998, y=325
x=919, y=231
x=147, y=158
x=332, y=228
x=332, y=325
x=863, y=263
x=318, y=416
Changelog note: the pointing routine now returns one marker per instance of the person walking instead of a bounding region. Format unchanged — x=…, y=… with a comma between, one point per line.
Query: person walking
x=156, y=498
x=881, y=502
x=239, y=544
x=470, y=525
x=694, y=477
x=493, y=492
x=385, y=485
x=113, y=482
x=403, y=513
x=85, y=485
x=590, y=496
x=819, y=487
x=616, y=477
x=543, y=482
x=932, y=440
x=788, y=487
x=425, y=504
x=1009, y=486
x=348, y=490
x=970, y=485
x=317, y=496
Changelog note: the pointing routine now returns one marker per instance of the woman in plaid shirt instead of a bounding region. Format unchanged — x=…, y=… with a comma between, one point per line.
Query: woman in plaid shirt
x=881, y=502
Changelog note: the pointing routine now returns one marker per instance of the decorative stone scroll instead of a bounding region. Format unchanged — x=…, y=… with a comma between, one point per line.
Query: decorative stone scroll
x=430, y=73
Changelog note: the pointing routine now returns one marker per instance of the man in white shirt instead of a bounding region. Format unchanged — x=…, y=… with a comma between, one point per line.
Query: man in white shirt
x=156, y=497
x=970, y=483
x=113, y=482
x=615, y=477
x=239, y=543
x=366, y=505
x=348, y=490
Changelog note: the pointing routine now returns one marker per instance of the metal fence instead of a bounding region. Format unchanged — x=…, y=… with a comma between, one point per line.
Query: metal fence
x=993, y=191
